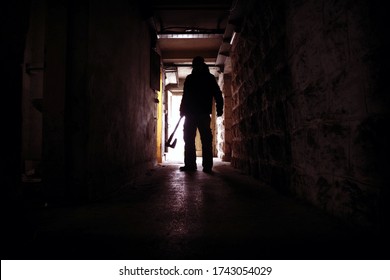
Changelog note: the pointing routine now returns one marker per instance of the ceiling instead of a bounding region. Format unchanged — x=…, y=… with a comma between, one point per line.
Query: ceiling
x=186, y=29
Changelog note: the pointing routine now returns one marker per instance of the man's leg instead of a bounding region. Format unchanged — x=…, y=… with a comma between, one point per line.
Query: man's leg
x=189, y=146
x=207, y=142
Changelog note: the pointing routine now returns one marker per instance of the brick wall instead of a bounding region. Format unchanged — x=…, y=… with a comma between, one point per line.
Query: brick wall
x=260, y=83
x=308, y=109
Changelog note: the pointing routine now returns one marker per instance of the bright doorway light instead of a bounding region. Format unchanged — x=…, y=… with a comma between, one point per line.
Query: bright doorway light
x=175, y=155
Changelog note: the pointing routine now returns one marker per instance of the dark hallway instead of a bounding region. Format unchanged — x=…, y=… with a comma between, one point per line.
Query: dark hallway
x=168, y=214
x=301, y=152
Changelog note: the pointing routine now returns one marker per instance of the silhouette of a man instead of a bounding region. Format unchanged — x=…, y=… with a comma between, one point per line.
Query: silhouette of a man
x=200, y=87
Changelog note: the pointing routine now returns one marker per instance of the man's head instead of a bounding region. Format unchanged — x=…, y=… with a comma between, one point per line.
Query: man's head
x=197, y=62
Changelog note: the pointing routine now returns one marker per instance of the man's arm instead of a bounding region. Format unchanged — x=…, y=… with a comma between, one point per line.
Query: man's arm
x=218, y=98
x=183, y=104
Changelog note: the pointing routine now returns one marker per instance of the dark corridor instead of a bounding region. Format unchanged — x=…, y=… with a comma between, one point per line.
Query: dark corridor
x=301, y=152
x=168, y=214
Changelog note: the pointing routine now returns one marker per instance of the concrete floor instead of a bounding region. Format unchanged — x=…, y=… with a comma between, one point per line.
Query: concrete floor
x=168, y=214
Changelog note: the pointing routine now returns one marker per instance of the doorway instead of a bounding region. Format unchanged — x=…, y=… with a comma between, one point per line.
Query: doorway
x=173, y=96
x=175, y=155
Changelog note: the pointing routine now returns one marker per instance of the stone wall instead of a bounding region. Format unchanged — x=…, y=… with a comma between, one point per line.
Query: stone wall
x=309, y=112
x=261, y=83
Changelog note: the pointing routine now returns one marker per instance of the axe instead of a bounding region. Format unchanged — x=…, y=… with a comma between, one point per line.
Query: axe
x=168, y=143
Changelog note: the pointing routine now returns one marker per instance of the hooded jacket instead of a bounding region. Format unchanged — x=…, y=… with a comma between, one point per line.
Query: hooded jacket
x=200, y=87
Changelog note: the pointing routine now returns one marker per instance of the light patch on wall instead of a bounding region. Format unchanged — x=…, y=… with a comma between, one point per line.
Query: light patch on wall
x=171, y=76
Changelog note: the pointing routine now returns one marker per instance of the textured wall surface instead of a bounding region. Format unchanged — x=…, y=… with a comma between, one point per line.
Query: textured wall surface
x=260, y=82
x=121, y=140
x=308, y=113
x=100, y=130
x=333, y=110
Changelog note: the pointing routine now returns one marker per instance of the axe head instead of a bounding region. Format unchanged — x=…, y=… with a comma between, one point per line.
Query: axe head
x=173, y=145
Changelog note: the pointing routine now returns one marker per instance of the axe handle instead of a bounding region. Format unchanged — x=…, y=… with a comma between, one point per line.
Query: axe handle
x=173, y=133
